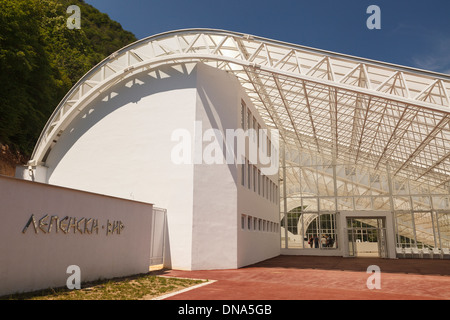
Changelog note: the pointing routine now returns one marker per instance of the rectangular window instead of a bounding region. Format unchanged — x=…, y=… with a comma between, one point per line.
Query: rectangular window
x=263, y=182
x=243, y=174
x=259, y=182
x=243, y=114
x=255, y=223
x=271, y=191
x=273, y=197
x=257, y=134
x=249, y=120
x=243, y=222
x=255, y=177
x=249, y=223
x=249, y=174
x=269, y=149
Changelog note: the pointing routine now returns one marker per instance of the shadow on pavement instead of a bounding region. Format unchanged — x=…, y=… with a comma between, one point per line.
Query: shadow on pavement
x=402, y=266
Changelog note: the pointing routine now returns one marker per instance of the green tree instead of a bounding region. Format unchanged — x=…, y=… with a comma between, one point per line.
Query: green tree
x=41, y=59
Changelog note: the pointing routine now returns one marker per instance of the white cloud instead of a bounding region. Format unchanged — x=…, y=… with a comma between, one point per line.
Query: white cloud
x=438, y=56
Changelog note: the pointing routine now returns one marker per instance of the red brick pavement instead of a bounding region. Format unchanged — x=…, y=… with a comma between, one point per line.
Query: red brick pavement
x=322, y=278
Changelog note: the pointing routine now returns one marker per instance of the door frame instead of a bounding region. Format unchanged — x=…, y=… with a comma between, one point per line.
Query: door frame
x=379, y=228
x=389, y=227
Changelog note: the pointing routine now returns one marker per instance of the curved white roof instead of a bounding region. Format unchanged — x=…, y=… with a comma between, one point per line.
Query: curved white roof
x=338, y=106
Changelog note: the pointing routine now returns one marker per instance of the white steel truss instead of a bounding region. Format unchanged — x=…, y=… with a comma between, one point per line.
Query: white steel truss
x=347, y=109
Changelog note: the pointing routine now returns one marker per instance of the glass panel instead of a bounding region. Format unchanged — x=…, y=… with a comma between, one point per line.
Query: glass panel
x=363, y=203
x=441, y=202
x=345, y=203
x=294, y=227
x=444, y=230
x=320, y=230
x=425, y=233
x=366, y=237
x=327, y=204
x=402, y=203
x=310, y=204
x=405, y=230
x=381, y=203
x=421, y=203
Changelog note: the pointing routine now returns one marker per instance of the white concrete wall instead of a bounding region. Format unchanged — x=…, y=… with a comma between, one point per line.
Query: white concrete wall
x=121, y=146
x=31, y=261
x=255, y=245
x=219, y=197
x=214, y=240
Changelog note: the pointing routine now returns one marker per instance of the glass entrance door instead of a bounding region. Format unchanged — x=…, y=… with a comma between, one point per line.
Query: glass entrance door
x=366, y=237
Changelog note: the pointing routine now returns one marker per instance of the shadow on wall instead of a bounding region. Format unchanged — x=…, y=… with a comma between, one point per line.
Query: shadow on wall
x=214, y=120
x=131, y=90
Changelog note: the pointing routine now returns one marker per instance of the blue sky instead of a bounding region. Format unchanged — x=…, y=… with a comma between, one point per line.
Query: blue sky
x=413, y=33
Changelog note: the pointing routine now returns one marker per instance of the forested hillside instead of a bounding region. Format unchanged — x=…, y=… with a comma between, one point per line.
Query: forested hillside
x=41, y=59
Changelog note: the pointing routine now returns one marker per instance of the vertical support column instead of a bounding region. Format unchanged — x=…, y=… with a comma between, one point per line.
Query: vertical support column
x=391, y=201
x=411, y=205
x=339, y=232
x=285, y=200
x=433, y=211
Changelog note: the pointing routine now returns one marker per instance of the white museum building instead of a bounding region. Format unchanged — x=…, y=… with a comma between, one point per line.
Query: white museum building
x=355, y=151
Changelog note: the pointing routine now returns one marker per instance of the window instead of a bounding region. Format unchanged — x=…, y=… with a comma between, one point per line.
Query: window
x=249, y=174
x=263, y=182
x=243, y=174
x=255, y=177
x=259, y=182
x=257, y=133
x=267, y=187
x=243, y=222
x=243, y=113
x=269, y=149
x=249, y=223
x=255, y=223
x=249, y=120
x=271, y=191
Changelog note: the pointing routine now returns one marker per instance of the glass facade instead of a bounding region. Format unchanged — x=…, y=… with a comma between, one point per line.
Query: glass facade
x=314, y=188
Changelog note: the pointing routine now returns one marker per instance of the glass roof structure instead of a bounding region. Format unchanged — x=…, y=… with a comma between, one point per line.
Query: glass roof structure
x=352, y=129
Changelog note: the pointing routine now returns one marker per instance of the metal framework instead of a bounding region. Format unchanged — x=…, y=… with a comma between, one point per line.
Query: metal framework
x=366, y=119
x=342, y=106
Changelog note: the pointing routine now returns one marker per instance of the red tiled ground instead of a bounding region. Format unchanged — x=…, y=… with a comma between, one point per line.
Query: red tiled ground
x=317, y=278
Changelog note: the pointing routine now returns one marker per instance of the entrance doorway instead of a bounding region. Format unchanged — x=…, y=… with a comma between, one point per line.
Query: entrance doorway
x=366, y=237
